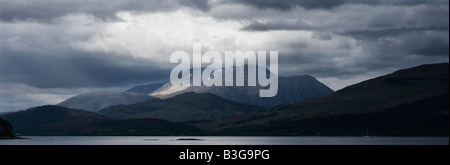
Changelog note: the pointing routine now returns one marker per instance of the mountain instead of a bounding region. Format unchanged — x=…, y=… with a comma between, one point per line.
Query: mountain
x=290, y=90
x=405, y=96
x=186, y=107
x=56, y=120
x=98, y=100
x=146, y=89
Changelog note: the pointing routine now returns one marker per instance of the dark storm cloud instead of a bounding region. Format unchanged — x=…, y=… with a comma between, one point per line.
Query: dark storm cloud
x=76, y=69
x=46, y=10
x=326, y=4
x=280, y=25
x=288, y=4
x=354, y=19
x=376, y=34
x=425, y=43
x=391, y=51
x=387, y=33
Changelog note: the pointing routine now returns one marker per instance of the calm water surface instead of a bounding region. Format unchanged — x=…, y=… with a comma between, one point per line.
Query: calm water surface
x=223, y=140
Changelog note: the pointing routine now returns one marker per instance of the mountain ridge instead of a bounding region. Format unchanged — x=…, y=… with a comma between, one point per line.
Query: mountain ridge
x=290, y=90
x=96, y=101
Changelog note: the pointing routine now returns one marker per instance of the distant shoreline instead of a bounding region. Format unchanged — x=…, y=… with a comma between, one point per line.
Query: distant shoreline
x=188, y=137
x=10, y=138
x=225, y=140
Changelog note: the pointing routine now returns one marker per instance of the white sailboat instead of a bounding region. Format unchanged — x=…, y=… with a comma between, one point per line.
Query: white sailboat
x=367, y=133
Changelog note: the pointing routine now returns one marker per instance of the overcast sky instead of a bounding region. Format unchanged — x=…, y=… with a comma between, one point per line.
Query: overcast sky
x=51, y=50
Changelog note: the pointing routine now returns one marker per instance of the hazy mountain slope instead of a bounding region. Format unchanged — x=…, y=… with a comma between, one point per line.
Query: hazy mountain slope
x=98, y=100
x=187, y=107
x=146, y=89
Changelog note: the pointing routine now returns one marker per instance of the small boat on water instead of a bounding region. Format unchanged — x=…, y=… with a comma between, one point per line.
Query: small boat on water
x=367, y=133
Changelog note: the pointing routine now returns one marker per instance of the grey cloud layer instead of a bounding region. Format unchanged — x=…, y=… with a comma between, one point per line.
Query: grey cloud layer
x=46, y=10
x=78, y=69
x=358, y=35
x=353, y=18
x=326, y=4
x=396, y=36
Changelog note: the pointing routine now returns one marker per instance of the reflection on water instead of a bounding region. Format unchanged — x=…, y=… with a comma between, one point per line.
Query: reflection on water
x=223, y=140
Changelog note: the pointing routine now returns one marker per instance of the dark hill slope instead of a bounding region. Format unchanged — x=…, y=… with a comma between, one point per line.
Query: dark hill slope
x=187, y=107
x=378, y=94
x=55, y=120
